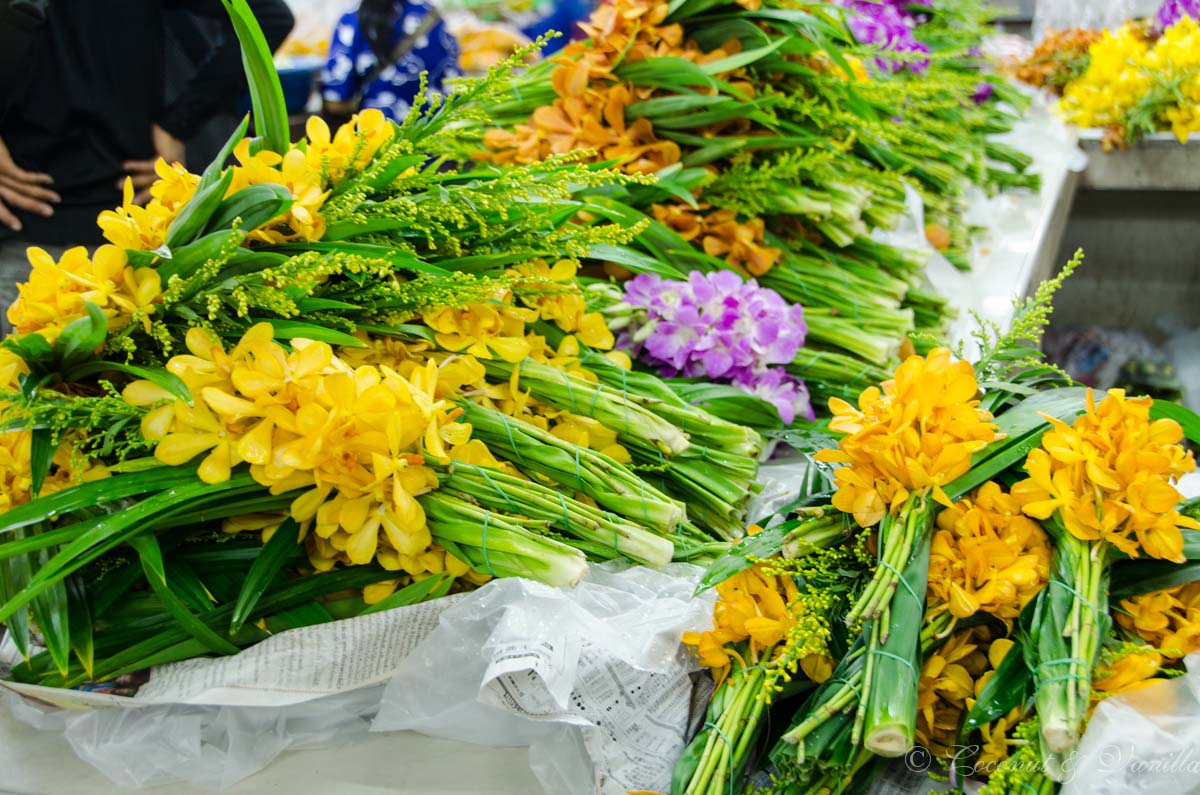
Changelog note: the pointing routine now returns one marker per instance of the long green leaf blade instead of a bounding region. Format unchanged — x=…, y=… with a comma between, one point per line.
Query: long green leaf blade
x=267, y=566
x=266, y=92
x=83, y=641
x=152, y=564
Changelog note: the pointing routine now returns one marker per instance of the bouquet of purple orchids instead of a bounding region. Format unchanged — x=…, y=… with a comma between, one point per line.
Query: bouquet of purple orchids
x=717, y=327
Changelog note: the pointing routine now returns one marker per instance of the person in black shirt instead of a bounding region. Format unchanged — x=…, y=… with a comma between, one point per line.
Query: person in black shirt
x=83, y=108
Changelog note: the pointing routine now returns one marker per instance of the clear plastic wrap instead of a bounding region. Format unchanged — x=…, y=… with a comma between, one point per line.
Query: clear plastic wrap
x=571, y=673
x=1143, y=742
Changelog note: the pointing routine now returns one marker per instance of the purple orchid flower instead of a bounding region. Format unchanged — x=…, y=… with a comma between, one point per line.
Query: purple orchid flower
x=719, y=327
x=1172, y=11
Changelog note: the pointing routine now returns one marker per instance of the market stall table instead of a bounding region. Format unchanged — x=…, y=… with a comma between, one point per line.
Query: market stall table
x=42, y=763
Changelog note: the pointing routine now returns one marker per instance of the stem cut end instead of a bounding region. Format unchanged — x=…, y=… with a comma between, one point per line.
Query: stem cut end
x=889, y=742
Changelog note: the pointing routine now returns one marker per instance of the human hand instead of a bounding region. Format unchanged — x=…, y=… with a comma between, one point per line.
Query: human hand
x=24, y=190
x=142, y=172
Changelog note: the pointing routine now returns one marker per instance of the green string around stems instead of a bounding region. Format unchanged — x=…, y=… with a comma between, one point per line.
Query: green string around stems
x=710, y=725
x=907, y=663
x=495, y=487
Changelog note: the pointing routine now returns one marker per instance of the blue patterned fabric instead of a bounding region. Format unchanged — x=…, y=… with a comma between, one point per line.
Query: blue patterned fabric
x=351, y=60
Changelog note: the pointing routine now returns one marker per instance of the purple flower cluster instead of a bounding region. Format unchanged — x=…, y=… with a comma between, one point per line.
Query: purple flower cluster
x=889, y=25
x=1174, y=10
x=719, y=327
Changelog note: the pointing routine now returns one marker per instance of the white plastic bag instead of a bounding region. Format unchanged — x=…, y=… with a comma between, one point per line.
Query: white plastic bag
x=592, y=678
x=207, y=746
x=1146, y=742
x=514, y=663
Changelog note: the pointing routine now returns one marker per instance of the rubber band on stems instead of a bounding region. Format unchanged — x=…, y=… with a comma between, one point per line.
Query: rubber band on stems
x=495, y=487
x=902, y=581
x=907, y=663
x=708, y=724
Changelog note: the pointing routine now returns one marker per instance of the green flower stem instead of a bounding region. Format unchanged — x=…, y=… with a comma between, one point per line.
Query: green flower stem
x=734, y=718
x=613, y=411
x=499, y=546
x=610, y=484
x=889, y=708
x=897, y=535
x=839, y=694
x=1070, y=621
x=500, y=491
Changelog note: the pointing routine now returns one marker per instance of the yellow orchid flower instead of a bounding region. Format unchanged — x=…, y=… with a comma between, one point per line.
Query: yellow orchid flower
x=915, y=434
x=1109, y=477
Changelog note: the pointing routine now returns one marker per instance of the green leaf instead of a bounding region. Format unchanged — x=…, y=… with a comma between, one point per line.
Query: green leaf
x=402, y=331
x=33, y=349
x=1136, y=577
x=209, y=247
x=744, y=58
x=303, y=616
x=633, y=260
x=729, y=403
x=255, y=205
x=50, y=610
x=678, y=103
x=428, y=588
x=1023, y=426
x=167, y=380
x=101, y=534
x=41, y=457
x=193, y=218
x=318, y=304
x=95, y=494
x=676, y=74
x=188, y=585
x=266, y=92
x=79, y=619
x=267, y=566
x=689, y=762
x=15, y=573
x=742, y=555
x=152, y=564
x=1008, y=687
x=294, y=329
x=80, y=340
x=212, y=174
x=391, y=173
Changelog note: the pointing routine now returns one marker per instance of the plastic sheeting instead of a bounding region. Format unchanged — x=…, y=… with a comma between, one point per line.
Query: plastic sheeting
x=591, y=678
x=1146, y=742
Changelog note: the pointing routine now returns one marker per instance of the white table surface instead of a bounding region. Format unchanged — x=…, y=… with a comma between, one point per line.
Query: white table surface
x=34, y=762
